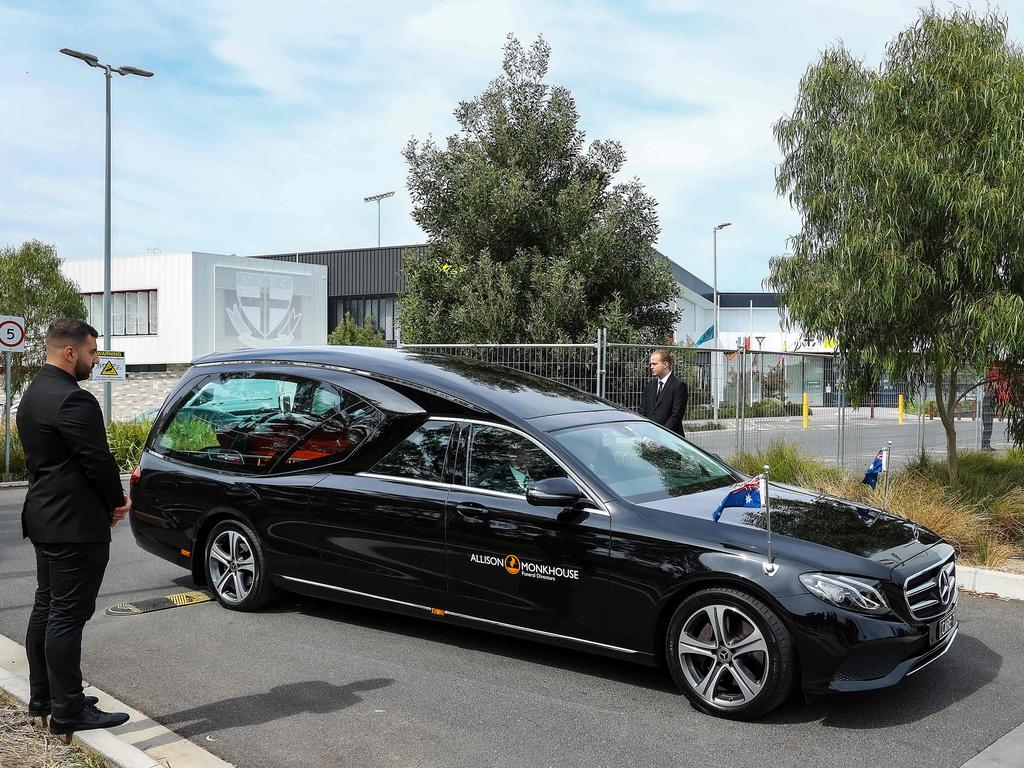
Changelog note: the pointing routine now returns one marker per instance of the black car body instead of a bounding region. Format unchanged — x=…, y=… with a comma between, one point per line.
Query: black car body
x=482, y=496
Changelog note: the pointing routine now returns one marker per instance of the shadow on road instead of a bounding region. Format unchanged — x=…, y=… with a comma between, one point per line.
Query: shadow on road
x=279, y=702
x=968, y=666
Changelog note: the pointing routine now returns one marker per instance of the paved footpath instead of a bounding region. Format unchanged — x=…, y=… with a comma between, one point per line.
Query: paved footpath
x=318, y=684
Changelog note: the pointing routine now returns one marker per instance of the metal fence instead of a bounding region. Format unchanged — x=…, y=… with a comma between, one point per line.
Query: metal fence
x=742, y=400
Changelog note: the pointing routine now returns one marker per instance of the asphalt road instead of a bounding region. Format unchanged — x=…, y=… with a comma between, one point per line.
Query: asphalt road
x=864, y=437
x=319, y=684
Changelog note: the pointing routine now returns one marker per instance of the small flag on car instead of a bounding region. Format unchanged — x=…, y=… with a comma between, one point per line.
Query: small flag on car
x=878, y=466
x=750, y=494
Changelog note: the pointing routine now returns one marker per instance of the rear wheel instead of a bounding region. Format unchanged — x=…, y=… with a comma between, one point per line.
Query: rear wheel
x=235, y=567
x=730, y=654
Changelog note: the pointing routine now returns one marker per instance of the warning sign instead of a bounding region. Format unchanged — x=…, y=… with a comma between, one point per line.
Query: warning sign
x=111, y=367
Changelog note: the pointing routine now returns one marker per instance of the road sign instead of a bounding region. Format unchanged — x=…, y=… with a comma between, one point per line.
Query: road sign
x=110, y=367
x=12, y=334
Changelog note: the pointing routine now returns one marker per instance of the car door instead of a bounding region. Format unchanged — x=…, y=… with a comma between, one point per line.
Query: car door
x=509, y=561
x=381, y=531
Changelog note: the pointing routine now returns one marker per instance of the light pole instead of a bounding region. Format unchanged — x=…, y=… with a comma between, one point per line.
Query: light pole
x=377, y=199
x=108, y=70
x=714, y=252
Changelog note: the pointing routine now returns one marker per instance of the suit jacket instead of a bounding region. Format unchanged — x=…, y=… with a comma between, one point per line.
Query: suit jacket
x=74, y=480
x=667, y=410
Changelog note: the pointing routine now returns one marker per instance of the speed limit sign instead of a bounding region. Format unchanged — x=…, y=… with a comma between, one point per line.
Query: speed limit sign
x=12, y=334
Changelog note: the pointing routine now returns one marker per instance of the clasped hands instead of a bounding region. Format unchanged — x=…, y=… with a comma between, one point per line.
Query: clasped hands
x=118, y=513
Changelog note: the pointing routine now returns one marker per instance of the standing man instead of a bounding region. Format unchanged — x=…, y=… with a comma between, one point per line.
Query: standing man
x=665, y=395
x=74, y=499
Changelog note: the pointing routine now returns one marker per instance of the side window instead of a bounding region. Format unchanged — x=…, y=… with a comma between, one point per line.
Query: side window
x=500, y=460
x=247, y=421
x=421, y=455
x=349, y=423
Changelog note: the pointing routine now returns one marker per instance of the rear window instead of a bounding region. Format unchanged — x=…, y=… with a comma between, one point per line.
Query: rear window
x=247, y=422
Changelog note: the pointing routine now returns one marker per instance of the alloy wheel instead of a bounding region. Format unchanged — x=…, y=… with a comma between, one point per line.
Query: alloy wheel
x=232, y=566
x=723, y=655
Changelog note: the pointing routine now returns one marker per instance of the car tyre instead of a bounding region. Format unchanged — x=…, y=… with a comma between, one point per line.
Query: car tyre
x=730, y=654
x=236, y=568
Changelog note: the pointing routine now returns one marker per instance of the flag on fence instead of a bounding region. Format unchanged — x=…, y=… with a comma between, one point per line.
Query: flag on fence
x=878, y=466
x=708, y=335
x=750, y=494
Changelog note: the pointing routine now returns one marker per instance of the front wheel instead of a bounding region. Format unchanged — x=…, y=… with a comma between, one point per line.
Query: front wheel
x=730, y=654
x=235, y=567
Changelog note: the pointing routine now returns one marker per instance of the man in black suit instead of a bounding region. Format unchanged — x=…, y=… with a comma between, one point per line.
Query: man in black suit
x=74, y=499
x=665, y=395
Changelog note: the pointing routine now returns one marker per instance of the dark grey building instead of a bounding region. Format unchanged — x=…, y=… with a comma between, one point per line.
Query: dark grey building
x=363, y=282
x=366, y=281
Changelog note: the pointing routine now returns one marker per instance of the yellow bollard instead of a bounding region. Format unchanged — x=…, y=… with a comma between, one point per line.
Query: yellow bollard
x=807, y=420
x=899, y=409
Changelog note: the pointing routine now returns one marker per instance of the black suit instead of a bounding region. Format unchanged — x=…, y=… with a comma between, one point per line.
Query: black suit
x=669, y=407
x=74, y=485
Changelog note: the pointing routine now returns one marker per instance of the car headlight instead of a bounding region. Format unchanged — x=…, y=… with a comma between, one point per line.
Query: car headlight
x=846, y=592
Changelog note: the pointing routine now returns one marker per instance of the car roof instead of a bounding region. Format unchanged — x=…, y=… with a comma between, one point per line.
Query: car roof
x=512, y=395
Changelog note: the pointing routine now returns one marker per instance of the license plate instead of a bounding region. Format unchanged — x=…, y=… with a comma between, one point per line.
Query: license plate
x=943, y=626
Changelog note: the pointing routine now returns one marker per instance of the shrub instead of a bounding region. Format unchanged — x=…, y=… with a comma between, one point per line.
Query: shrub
x=126, y=440
x=350, y=333
x=17, y=453
x=787, y=464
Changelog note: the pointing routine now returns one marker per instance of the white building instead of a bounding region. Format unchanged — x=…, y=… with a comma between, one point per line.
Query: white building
x=169, y=308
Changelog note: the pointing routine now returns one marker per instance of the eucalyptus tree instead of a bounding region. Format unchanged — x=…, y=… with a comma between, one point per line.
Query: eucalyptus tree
x=909, y=180
x=530, y=238
x=32, y=286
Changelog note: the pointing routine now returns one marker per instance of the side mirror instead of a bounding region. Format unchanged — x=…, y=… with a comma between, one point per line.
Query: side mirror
x=554, y=492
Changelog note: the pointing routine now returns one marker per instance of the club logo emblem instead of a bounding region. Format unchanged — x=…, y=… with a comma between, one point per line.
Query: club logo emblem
x=263, y=314
x=512, y=564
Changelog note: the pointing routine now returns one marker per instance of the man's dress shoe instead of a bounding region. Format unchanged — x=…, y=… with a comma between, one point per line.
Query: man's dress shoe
x=42, y=708
x=86, y=720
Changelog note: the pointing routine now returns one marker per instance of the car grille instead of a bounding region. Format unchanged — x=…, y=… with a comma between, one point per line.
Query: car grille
x=931, y=592
x=869, y=663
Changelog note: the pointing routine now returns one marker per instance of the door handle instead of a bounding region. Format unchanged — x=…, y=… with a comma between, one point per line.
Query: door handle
x=471, y=509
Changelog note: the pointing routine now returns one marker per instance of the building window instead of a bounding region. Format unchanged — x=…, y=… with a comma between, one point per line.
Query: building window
x=380, y=310
x=133, y=313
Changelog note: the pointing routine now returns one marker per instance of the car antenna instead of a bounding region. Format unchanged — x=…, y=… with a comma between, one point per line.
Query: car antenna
x=770, y=568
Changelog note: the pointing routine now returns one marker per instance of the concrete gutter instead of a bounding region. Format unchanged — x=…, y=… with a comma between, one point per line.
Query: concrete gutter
x=1009, y=586
x=139, y=743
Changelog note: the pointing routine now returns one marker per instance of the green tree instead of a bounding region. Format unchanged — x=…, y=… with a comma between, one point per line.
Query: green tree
x=32, y=286
x=351, y=334
x=909, y=180
x=529, y=239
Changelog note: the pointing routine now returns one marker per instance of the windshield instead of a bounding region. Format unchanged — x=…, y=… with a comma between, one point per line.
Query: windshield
x=641, y=461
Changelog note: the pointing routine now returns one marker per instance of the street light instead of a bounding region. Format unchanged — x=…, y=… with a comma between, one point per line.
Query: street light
x=377, y=199
x=714, y=237
x=108, y=70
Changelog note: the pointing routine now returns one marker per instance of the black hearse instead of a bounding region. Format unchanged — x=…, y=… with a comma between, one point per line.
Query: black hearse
x=474, y=494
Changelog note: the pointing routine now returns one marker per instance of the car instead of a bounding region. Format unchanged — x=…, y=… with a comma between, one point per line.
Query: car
x=476, y=495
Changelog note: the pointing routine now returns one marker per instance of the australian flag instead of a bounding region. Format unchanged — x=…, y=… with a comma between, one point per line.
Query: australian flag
x=748, y=494
x=877, y=467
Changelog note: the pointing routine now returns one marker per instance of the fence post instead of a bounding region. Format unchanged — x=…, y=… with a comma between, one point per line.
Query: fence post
x=602, y=362
x=979, y=404
x=920, y=419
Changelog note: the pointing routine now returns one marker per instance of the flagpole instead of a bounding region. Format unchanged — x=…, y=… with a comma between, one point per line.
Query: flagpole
x=769, y=567
x=885, y=492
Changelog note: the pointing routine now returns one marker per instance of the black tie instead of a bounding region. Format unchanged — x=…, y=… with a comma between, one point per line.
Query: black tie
x=661, y=385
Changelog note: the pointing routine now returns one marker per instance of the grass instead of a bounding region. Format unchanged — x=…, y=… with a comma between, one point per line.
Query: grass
x=23, y=745
x=983, y=518
x=126, y=440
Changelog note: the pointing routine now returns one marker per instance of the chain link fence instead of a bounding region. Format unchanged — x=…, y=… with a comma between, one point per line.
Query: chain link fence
x=743, y=400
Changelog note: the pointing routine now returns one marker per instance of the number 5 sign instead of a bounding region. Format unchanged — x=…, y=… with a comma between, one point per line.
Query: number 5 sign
x=12, y=334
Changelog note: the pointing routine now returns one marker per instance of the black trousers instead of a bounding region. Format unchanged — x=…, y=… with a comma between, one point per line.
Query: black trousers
x=68, y=578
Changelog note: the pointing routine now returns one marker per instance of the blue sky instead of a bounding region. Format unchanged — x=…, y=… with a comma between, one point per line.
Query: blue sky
x=267, y=122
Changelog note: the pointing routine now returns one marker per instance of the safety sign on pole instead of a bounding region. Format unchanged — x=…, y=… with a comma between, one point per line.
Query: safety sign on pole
x=12, y=339
x=109, y=367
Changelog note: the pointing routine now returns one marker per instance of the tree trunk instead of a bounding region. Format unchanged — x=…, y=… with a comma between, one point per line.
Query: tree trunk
x=945, y=406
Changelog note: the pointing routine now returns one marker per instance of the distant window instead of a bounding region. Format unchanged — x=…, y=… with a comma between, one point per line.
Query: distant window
x=133, y=313
x=420, y=456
